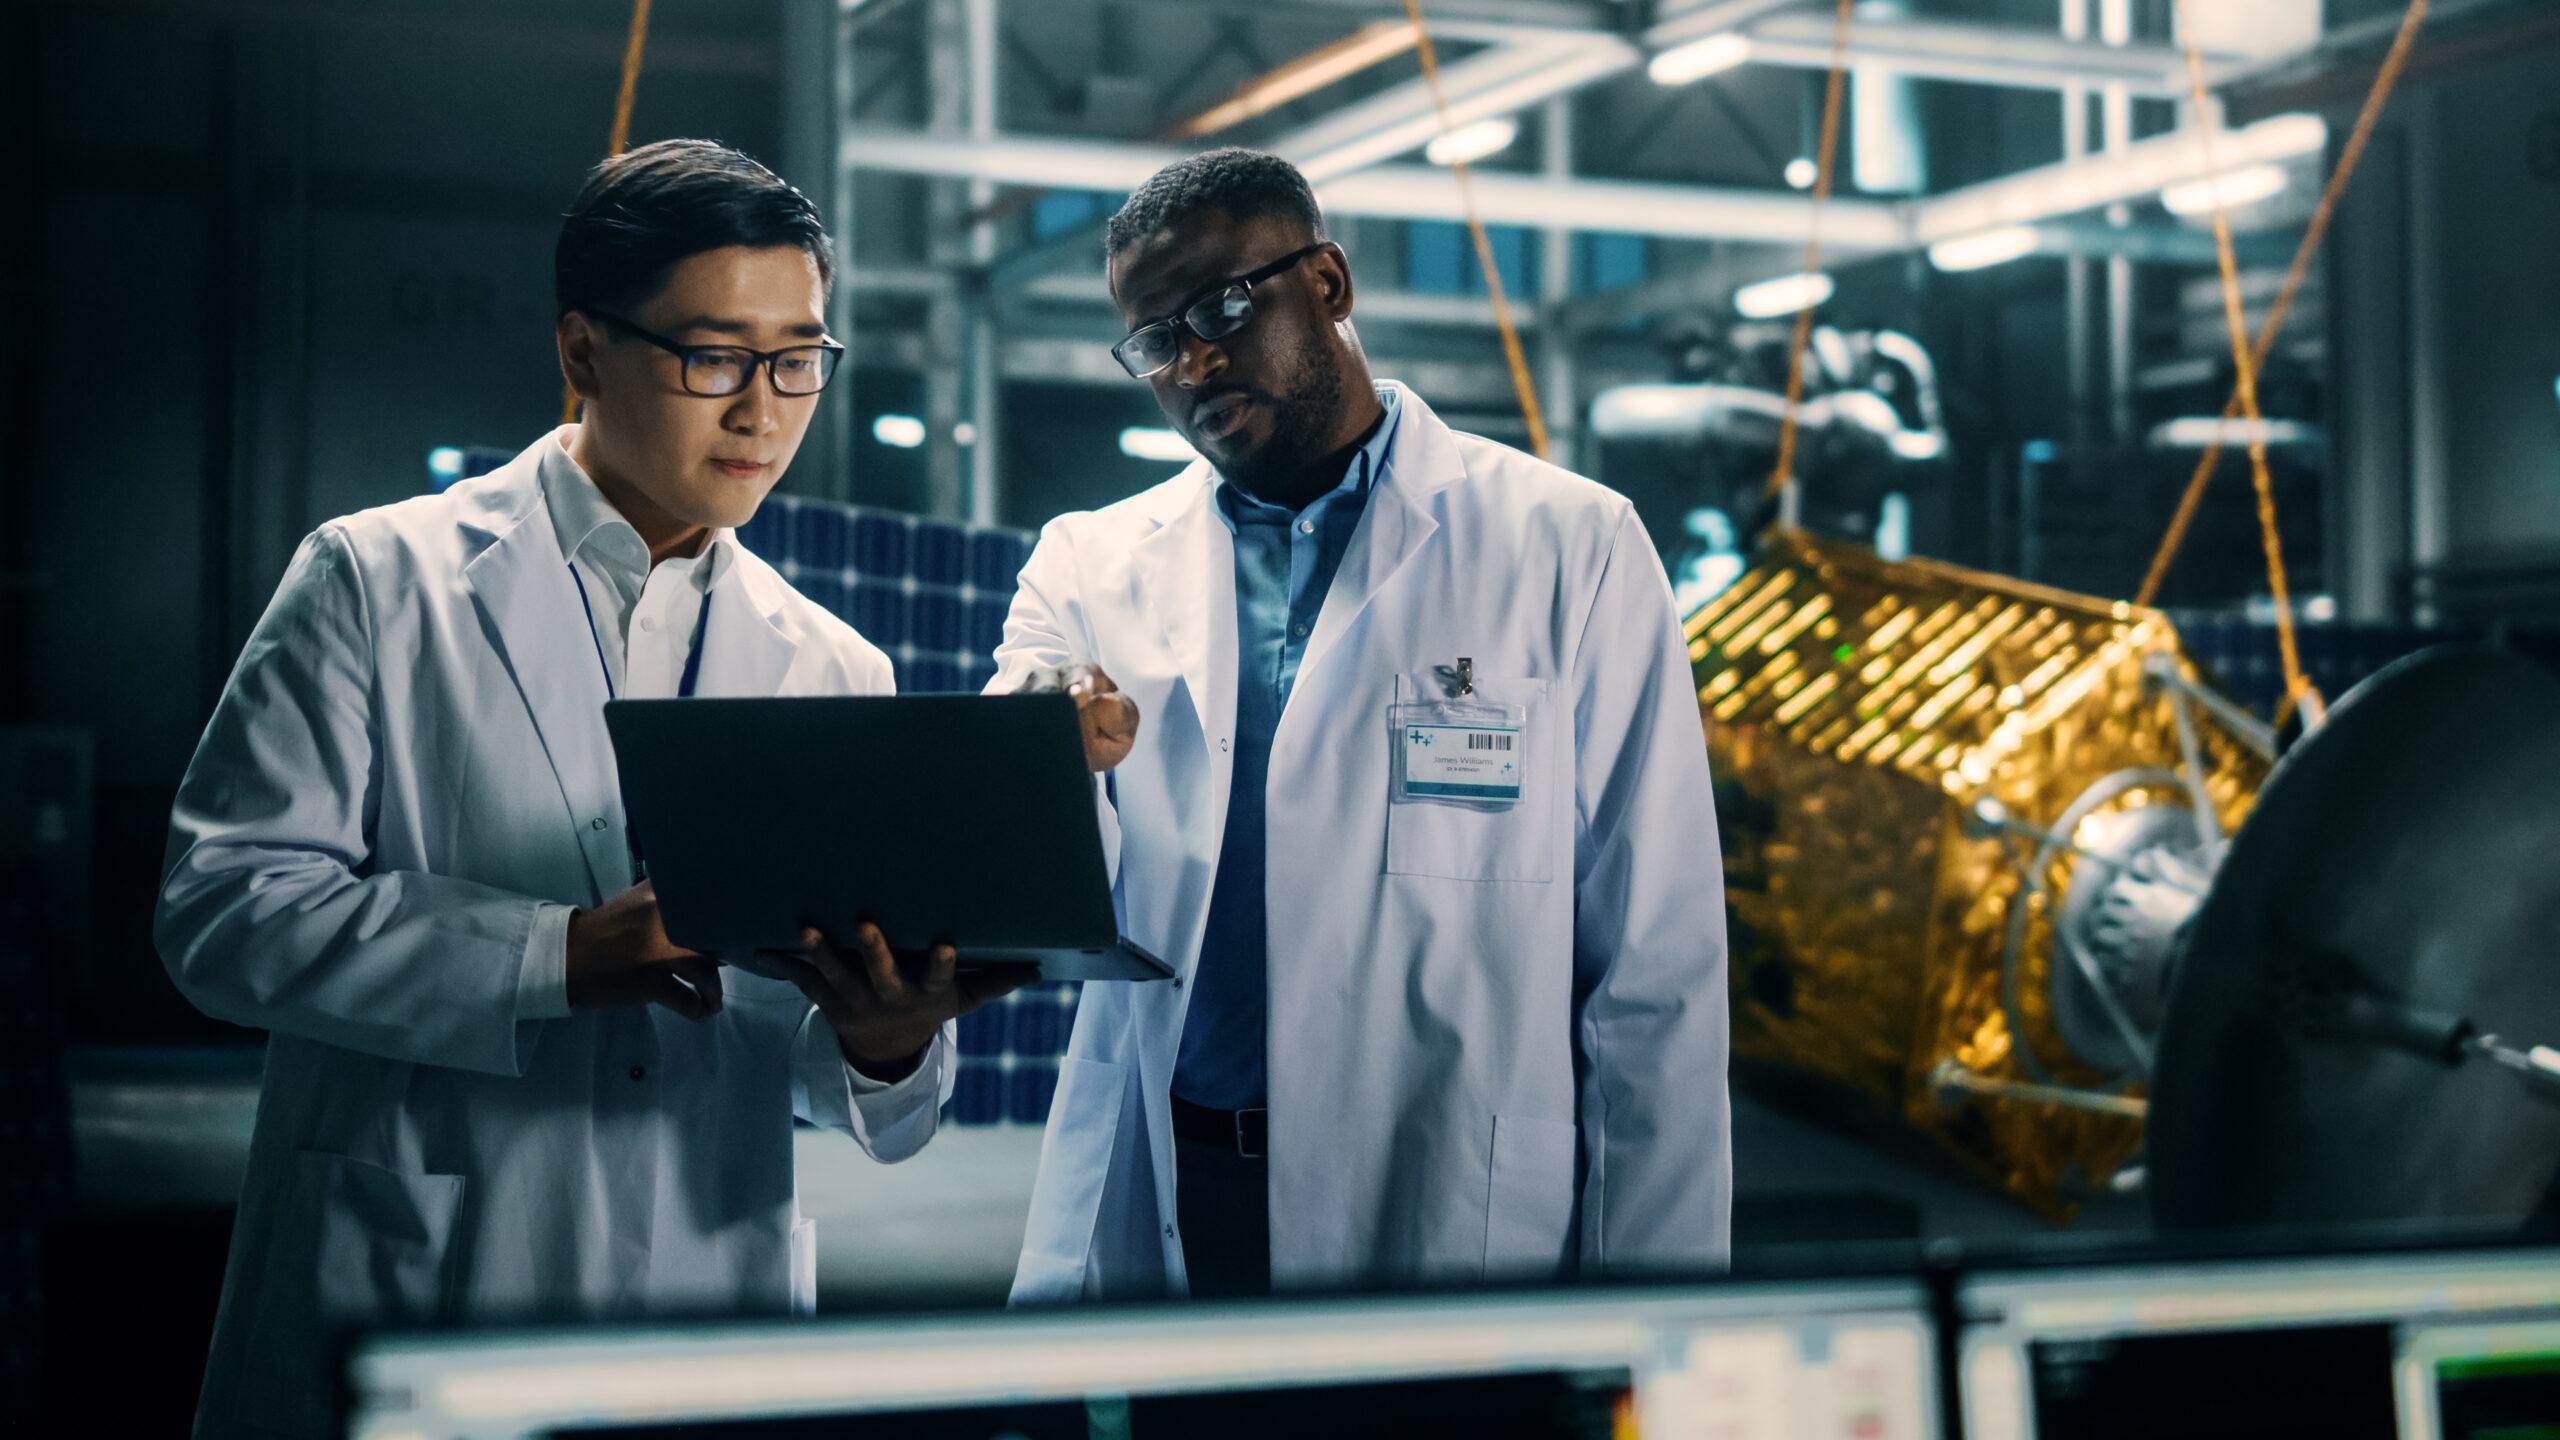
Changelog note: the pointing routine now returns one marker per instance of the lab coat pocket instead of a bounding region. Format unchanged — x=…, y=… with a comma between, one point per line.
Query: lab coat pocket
x=1075, y=1160
x=354, y=1244
x=1528, y=1217
x=1468, y=840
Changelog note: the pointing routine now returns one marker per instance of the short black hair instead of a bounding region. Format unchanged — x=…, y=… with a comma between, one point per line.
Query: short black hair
x=644, y=212
x=1244, y=184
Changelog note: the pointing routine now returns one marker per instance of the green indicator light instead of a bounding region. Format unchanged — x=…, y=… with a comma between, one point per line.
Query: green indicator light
x=1845, y=654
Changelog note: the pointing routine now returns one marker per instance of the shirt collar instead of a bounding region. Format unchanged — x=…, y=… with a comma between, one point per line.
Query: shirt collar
x=1366, y=466
x=584, y=520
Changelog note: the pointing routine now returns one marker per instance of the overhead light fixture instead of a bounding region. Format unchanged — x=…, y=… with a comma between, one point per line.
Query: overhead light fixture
x=901, y=432
x=2199, y=432
x=1698, y=59
x=444, y=463
x=1984, y=250
x=1801, y=173
x=1470, y=143
x=2137, y=171
x=2245, y=186
x=1785, y=295
x=1142, y=442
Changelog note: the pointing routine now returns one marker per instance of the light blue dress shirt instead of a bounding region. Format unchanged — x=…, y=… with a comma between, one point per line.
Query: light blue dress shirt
x=1284, y=566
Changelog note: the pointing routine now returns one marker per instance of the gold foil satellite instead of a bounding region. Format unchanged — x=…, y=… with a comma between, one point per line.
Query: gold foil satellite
x=1945, y=797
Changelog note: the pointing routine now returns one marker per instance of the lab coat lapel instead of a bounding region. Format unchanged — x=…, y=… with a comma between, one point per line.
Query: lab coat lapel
x=743, y=652
x=1420, y=461
x=1186, y=574
x=528, y=606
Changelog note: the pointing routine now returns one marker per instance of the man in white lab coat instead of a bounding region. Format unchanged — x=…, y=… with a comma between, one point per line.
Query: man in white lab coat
x=494, y=1089
x=1421, y=816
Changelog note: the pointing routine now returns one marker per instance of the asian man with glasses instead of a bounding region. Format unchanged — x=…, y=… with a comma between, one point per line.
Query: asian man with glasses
x=494, y=1089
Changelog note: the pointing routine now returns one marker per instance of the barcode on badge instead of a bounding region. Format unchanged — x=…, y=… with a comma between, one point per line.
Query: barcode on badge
x=1489, y=742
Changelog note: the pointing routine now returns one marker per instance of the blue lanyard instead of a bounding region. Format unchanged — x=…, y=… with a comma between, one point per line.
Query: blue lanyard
x=684, y=686
x=692, y=657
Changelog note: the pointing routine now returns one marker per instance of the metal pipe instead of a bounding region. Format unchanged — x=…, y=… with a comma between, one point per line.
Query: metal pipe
x=1951, y=1076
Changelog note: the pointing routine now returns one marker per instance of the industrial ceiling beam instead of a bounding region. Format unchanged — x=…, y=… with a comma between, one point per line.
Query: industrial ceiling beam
x=2010, y=55
x=1407, y=192
x=2134, y=172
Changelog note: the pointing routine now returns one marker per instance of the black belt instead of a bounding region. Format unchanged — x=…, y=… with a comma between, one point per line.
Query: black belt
x=1239, y=1132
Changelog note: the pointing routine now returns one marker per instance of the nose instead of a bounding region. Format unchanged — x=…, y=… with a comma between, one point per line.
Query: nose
x=1195, y=362
x=753, y=410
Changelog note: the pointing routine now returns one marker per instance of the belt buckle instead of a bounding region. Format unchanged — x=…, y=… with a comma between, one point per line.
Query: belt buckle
x=1245, y=1147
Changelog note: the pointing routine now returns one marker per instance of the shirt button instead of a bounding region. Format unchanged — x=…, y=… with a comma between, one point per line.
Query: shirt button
x=1306, y=527
x=648, y=624
x=639, y=1072
x=1222, y=747
x=596, y=824
x=1298, y=630
x=1168, y=1232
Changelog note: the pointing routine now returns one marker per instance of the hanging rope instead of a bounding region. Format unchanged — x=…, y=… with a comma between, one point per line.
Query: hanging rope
x=1512, y=354
x=1822, y=173
x=2318, y=230
x=2299, y=693
x=620, y=139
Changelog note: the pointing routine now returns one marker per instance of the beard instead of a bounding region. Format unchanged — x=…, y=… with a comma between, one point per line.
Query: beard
x=1301, y=418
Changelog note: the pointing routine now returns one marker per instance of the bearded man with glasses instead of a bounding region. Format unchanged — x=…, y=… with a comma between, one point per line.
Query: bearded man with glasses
x=1421, y=817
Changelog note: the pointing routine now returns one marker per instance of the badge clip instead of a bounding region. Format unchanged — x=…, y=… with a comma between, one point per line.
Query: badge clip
x=1460, y=679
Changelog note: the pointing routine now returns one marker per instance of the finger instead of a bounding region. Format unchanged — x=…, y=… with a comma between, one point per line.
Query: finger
x=813, y=984
x=878, y=963
x=992, y=982
x=851, y=983
x=941, y=964
x=703, y=975
x=665, y=989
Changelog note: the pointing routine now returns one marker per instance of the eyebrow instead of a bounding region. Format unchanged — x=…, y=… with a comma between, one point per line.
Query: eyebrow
x=807, y=329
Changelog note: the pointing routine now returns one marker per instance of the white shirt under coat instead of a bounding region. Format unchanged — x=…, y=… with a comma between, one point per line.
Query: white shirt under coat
x=405, y=787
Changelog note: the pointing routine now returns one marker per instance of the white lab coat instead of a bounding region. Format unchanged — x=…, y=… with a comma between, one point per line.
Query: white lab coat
x=409, y=758
x=1497, y=1038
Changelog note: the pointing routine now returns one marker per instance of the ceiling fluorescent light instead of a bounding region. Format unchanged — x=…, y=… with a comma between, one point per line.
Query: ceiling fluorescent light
x=902, y=432
x=1470, y=143
x=1698, y=59
x=2245, y=186
x=1141, y=442
x=1785, y=295
x=1983, y=250
x=2198, y=432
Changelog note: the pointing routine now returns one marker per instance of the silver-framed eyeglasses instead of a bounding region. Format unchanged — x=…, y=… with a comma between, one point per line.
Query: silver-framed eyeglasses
x=1219, y=313
x=719, y=370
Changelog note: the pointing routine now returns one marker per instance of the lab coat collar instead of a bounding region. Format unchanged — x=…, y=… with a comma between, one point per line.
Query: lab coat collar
x=528, y=603
x=1421, y=460
x=1186, y=566
x=580, y=512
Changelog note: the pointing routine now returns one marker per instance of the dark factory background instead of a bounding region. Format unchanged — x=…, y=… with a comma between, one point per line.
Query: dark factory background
x=271, y=261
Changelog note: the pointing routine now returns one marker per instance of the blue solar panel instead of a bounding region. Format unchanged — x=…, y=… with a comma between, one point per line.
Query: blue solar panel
x=934, y=596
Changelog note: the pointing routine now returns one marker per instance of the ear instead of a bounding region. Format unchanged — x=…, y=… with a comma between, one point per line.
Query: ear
x=1329, y=279
x=576, y=338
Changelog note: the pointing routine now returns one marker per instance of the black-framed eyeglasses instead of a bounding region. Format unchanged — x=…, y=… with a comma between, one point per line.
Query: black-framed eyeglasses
x=718, y=370
x=1214, y=316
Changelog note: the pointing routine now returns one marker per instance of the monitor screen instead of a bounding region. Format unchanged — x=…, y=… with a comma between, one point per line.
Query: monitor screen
x=2480, y=1381
x=1830, y=1361
x=2237, y=1348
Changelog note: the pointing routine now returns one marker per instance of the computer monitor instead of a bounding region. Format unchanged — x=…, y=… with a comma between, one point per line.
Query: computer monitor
x=1837, y=1361
x=2480, y=1381
x=2316, y=1346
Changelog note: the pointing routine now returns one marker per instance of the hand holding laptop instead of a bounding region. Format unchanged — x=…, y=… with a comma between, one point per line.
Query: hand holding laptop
x=886, y=1010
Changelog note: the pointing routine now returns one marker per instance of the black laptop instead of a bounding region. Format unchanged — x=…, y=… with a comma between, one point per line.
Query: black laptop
x=960, y=818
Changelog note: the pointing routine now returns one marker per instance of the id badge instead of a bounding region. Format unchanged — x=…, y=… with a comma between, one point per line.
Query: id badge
x=1460, y=750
